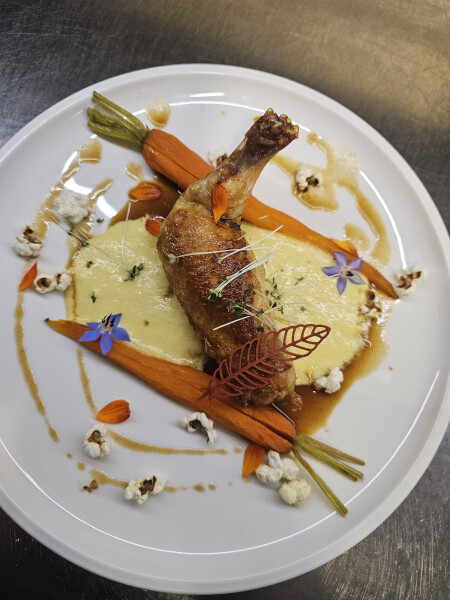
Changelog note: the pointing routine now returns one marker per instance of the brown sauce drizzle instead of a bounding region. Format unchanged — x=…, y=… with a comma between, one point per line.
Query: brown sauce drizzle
x=103, y=478
x=135, y=171
x=125, y=441
x=317, y=405
x=26, y=368
x=359, y=239
x=342, y=170
x=89, y=152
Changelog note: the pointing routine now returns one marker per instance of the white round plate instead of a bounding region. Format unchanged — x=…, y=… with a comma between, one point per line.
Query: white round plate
x=240, y=535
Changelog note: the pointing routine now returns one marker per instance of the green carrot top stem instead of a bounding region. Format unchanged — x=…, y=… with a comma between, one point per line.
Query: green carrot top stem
x=111, y=120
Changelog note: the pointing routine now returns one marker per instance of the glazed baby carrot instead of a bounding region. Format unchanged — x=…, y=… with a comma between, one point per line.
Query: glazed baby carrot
x=265, y=426
x=165, y=154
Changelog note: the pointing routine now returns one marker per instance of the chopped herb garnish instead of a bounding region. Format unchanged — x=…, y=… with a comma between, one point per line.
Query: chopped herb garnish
x=214, y=258
x=302, y=308
x=239, y=308
x=89, y=264
x=100, y=220
x=93, y=297
x=260, y=328
x=84, y=244
x=134, y=272
x=172, y=258
x=298, y=279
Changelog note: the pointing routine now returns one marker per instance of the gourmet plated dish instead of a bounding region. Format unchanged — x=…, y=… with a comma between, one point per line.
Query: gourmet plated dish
x=216, y=300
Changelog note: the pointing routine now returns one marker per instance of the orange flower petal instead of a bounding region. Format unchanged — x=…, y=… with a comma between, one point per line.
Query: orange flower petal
x=219, y=201
x=253, y=457
x=347, y=246
x=116, y=411
x=153, y=226
x=145, y=191
x=28, y=278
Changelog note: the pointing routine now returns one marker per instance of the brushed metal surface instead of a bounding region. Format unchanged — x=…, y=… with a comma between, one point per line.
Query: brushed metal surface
x=389, y=62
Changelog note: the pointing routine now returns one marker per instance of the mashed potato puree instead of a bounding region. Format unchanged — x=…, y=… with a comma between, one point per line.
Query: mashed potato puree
x=158, y=326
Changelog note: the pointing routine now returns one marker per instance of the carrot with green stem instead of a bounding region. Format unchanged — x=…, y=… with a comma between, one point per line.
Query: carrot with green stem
x=264, y=426
x=167, y=155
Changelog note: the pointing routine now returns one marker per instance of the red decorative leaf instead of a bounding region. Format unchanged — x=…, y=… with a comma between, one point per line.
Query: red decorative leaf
x=219, y=203
x=253, y=457
x=28, y=278
x=253, y=365
x=145, y=191
x=153, y=226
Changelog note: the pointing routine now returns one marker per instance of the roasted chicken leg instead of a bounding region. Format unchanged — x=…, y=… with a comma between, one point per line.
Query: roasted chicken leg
x=190, y=228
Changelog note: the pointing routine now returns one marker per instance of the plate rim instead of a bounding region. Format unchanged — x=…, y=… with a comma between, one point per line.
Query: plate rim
x=435, y=435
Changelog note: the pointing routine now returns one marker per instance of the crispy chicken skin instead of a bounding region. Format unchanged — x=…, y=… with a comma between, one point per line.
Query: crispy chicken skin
x=190, y=227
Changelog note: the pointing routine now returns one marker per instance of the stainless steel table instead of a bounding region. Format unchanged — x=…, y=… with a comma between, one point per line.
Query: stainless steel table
x=388, y=61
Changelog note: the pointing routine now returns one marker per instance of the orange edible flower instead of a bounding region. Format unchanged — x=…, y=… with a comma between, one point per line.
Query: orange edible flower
x=257, y=118
x=153, y=226
x=116, y=411
x=253, y=457
x=347, y=246
x=28, y=278
x=145, y=191
x=219, y=201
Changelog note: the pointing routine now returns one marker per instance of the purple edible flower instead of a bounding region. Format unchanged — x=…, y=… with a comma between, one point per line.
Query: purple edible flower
x=344, y=271
x=106, y=330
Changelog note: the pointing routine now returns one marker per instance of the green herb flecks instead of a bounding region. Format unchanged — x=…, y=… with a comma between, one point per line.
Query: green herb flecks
x=134, y=272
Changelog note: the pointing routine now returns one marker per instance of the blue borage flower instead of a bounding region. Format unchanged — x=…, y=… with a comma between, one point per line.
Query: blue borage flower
x=106, y=330
x=344, y=271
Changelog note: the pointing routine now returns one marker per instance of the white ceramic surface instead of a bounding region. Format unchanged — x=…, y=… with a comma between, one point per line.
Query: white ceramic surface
x=240, y=535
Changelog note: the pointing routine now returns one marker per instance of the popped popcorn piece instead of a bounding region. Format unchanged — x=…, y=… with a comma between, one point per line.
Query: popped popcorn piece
x=27, y=244
x=295, y=492
x=63, y=280
x=268, y=475
x=408, y=280
x=95, y=442
x=288, y=466
x=305, y=177
x=72, y=206
x=371, y=309
x=45, y=283
x=198, y=421
x=215, y=157
x=330, y=383
x=140, y=490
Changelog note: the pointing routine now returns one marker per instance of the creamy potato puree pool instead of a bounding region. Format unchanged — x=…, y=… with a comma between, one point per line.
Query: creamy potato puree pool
x=157, y=324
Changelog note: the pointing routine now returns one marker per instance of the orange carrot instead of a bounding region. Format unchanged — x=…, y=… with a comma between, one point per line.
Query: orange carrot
x=271, y=430
x=165, y=154
x=253, y=457
x=28, y=278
